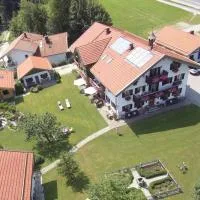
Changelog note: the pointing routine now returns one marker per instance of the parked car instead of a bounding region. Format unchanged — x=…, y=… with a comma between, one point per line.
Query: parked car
x=195, y=71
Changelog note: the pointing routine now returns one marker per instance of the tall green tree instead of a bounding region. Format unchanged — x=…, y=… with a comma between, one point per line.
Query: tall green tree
x=44, y=127
x=31, y=18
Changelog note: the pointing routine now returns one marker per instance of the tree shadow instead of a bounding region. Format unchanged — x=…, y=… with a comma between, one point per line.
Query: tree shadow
x=179, y=118
x=19, y=100
x=81, y=183
x=51, y=190
x=53, y=150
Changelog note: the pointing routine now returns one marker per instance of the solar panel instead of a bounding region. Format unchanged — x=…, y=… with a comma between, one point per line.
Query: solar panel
x=139, y=56
x=120, y=45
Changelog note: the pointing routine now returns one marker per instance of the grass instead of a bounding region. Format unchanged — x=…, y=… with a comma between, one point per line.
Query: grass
x=143, y=16
x=83, y=116
x=172, y=137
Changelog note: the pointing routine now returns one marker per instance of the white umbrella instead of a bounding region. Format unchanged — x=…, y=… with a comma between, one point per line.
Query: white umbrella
x=79, y=82
x=90, y=90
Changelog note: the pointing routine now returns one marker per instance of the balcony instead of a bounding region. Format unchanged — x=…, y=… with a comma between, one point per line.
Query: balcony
x=177, y=82
x=157, y=78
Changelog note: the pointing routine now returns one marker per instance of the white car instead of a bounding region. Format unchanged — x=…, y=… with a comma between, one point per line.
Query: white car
x=195, y=71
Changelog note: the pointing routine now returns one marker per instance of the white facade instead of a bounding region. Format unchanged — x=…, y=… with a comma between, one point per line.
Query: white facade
x=119, y=101
x=36, y=78
x=17, y=57
x=57, y=59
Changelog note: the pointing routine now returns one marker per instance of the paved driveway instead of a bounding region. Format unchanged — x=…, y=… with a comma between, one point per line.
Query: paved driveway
x=193, y=89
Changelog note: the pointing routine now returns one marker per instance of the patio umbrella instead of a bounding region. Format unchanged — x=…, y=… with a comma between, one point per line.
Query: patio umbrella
x=90, y=90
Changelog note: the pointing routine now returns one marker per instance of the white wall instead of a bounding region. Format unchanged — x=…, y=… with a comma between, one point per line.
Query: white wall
x=56, y=59
x=34, y=75
x=18, y=56
x=165, y=65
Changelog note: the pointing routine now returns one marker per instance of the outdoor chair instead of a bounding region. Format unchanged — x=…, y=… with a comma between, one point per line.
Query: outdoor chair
x=60, y=106
x=67, y=103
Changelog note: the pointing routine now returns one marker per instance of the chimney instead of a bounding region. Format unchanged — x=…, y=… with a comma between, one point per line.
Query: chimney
x=46, y=39
x=108, y=31
x=152, y=39
x=192, y=32
x=131, y=47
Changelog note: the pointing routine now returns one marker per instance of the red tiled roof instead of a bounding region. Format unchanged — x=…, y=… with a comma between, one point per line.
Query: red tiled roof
x=16, y=170
x=182, y=42
x=112, y=69
x=90, y=53
x=7, y=79
x=57, y=44
x=33, y=62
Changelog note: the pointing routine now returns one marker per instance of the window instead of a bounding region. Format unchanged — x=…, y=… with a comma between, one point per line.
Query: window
x=143, y=88
x=5, y=92
x=137, y=90
x=199, y=55
x=107, y=99
x=127, y=107
x=174, y=66
x=127, y=93
x=153, y=87
x=44, y=76
x=182, y=76
x=113, y=105
x=192, y=57
x=155, y=71
x=179, y=77
x=29, y=80
x=180, y=90
x=135, y=83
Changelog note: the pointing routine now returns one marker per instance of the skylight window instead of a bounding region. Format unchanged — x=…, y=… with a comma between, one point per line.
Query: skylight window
x=109, y=60
x=103, y=57
x=139, y=57
x=120, y=45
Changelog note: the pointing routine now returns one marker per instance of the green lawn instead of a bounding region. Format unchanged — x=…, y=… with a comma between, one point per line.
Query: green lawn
x=83, y=116
x=143, y=16
x=172, y=137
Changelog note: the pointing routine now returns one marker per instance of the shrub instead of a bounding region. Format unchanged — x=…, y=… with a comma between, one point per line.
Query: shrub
x=7, y=107
x=57, y=77
x=34, y=89
x=39, y=87
x=39, y=160
x=19, y=88
x=1, y=146
x=151, y=172
x=62, y=63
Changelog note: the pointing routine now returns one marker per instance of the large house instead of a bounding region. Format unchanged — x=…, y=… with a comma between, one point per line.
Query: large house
x=34, y=71
x=16, y=181
x=53, y=47
x=131, y=74
x=7, y=84
x=184, y=43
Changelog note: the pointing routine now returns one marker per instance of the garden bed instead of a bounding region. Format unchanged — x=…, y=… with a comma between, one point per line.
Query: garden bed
x=151, y=170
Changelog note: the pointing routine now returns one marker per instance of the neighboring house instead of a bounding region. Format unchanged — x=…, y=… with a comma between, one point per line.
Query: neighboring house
x=7, y=84
x=53, y=47
x=184, y=43
x=16, y=175
x=34, y=70
x=131, y=74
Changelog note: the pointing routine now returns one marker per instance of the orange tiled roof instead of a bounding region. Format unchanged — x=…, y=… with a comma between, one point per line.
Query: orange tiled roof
x=58, y=44
x=182, y=42
x=7, y=79
x=112, y=69
x=33, y=62
x=16, y=170
x=90, y=53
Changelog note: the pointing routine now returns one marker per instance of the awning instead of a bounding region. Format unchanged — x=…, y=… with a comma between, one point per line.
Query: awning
x=90, y=90
x=79, y=82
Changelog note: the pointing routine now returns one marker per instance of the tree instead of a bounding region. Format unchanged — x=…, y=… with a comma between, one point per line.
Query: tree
x=44, y=128
x=69, y=168
x=31, y=18
x=83, y=13
x=114, y=188
x=197, y=192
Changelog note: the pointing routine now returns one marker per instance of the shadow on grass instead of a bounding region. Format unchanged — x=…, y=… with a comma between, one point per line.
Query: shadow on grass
x=178, y=118
x=54, y=150
x=51, y=190
x=19, y=100
x=81, y=183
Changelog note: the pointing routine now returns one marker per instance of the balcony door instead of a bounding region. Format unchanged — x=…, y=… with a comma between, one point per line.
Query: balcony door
x=154, y=87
